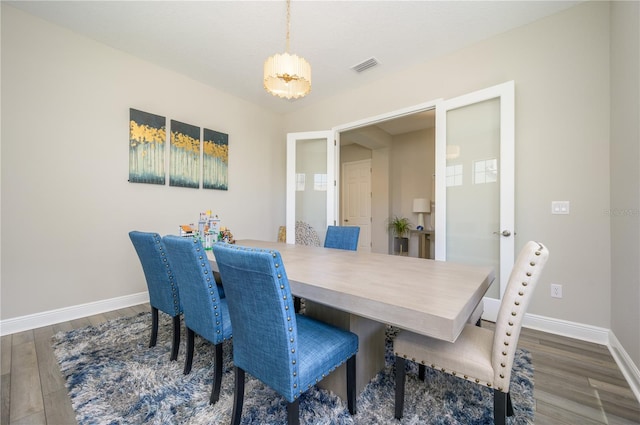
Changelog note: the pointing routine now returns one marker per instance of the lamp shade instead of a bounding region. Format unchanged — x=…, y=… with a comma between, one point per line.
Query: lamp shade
x=287, y=76
x=421, y=205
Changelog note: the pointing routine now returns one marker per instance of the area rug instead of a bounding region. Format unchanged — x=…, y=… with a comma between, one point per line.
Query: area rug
x=113, y=377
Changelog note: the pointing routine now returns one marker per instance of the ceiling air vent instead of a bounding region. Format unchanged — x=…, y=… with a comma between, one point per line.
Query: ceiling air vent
x=369, y=63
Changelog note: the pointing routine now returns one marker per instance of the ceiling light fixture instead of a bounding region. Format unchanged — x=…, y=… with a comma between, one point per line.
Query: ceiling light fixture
x=285, y=75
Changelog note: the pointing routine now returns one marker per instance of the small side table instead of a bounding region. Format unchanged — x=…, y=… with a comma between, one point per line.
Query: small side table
x=424, y=245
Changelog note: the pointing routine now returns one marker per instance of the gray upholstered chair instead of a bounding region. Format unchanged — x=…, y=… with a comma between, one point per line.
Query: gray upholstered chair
x=479, y=355
x=287, y=351
x=163, y=290
x=306, y=234
x=205, y=312
x=342, y=237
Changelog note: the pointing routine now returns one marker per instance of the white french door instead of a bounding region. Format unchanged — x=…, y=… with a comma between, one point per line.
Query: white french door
x=311, y=177
x=475, y=183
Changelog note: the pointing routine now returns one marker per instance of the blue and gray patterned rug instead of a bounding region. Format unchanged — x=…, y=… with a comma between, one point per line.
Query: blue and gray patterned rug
x=113, y=377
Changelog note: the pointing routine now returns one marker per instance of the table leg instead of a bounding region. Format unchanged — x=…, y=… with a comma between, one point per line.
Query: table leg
x=370, y=357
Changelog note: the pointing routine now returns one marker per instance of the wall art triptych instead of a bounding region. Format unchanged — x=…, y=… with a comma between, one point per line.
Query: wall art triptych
x=147, y=147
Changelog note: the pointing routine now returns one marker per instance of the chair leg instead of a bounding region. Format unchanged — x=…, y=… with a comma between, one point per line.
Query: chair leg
x=351, y=384
x=509, y=405
x=176, y=338
x=499, y=407
x=154, y=327
x=217, y=375
x=188, y=360
x=238, y=397
x=293, y=412
x=297, y=304
x=479, y=322
x=422, y=369
x=400, y=377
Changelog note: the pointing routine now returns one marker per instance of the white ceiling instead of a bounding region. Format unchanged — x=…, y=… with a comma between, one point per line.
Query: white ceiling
x=224, y=43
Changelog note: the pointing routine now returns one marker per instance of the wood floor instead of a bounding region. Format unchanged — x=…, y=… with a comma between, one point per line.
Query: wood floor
x=575, y=382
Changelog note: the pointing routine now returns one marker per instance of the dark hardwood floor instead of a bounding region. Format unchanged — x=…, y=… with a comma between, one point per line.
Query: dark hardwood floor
x=576, y=382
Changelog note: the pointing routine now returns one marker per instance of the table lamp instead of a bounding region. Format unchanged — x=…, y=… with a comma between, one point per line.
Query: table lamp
x=421, y=206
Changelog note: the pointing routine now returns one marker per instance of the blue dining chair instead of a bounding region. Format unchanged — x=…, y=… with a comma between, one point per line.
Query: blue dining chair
x=287, y=351
x=163, y=291
x=205, y=313
x=342, y=237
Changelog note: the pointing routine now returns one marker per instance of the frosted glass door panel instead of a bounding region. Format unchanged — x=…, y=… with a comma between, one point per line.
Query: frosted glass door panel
x=473, y=186
x=311, y=197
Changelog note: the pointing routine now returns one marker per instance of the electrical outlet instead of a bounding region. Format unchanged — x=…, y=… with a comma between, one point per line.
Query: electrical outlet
x=556, y=290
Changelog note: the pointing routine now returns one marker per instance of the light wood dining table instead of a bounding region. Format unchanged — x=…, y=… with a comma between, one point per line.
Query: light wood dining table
x=364, y=292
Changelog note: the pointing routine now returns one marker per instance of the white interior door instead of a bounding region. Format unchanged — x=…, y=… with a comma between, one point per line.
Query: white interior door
x=356, y=199
x=475, y=183
x=311, y=177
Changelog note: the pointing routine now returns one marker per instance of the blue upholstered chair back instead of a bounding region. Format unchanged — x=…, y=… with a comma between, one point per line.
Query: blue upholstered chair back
x=261, y=309
x=342, y=237
x=163, y=289
x=206, y=312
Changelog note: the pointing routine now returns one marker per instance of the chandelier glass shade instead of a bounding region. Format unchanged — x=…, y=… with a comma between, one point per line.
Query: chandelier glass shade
x=286, y=75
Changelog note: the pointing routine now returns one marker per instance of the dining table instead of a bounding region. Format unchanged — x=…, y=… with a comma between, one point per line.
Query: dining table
x=365, y=292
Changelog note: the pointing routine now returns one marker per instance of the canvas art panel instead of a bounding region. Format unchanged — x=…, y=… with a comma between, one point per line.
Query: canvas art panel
x=215, y=160
x=147, y=137
x=184, y=157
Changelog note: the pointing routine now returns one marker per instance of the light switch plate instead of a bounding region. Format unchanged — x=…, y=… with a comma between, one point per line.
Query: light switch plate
x=560, y=207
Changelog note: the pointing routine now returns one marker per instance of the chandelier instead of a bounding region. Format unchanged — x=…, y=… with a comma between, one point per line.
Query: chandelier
x=286, y=75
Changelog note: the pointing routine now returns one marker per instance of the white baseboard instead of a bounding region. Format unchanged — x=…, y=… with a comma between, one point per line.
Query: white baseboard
x=579, y=331
x=32, y=321
x=626, y=365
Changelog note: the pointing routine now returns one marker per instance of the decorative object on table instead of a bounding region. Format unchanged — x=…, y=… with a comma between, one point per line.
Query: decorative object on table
x=479, y=355
x=135, y=384
x=184, y=158
x=285, y=75
x=399, y=227
x=163, y=290
x=215, y=160
x=147, y=137
x=421, y=206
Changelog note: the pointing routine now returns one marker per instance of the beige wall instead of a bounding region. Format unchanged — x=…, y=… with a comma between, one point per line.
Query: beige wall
x=560, y=66
x=66, y=204
x=625, y=175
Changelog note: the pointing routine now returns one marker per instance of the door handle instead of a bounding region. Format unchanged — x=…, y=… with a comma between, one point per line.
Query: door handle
x=505, y=233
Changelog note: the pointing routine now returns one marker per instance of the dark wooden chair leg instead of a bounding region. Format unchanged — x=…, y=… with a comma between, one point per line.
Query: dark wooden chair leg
x=400, y=377
x=421, y=371
x=351, y=384
x=509, y=405
x=176, y=338
x=499, y=407
x=293, y=412
x=297, y=304
x=154, y=327
x=217, y=375
x=191, y=336
x=238, y=396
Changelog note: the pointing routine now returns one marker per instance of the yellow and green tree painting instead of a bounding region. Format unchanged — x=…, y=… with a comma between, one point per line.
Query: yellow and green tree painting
x=147, y=137
x=184, y=157
x=215, y=160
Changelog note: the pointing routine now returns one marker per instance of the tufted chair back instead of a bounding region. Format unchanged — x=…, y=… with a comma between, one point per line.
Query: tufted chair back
x=522, y=282
x=262, y=313
x=198, y=289
x=306, y=235
x=163, y=290
x=342, y=237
